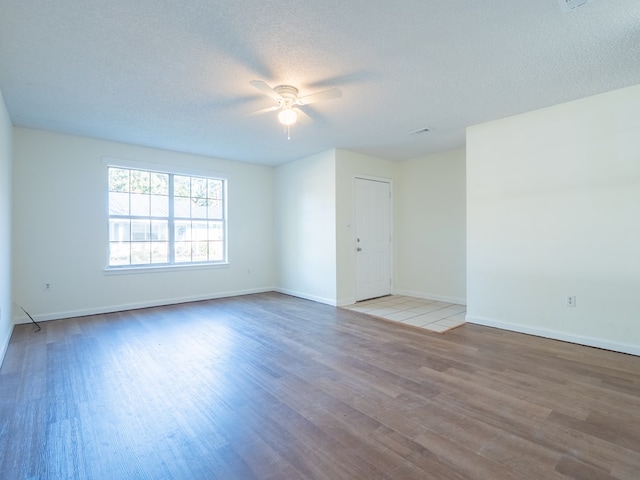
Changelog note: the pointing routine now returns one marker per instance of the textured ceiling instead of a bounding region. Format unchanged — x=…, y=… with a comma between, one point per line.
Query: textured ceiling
x=175, y=74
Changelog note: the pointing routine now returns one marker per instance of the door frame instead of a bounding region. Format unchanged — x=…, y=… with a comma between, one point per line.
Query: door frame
x=391, y=231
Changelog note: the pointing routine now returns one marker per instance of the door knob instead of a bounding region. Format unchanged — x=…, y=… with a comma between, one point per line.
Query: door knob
x=358, y=249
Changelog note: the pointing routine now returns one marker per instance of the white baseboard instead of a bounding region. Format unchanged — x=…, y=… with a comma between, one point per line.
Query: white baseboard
x=306, y=296
x=345, y=301
x=5, y=345
x=431, y=296
x=556, y=335
x=133, y=306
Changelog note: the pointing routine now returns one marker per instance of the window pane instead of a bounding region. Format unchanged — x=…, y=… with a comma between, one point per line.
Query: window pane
x=140, y=253
x=216, y=252
x=119, y=230
x=199, y=230
x=119, y=253
x=215, y=189
x=139, y=205
x=181, y=186
x=140, y=230
x=198, y=188
x=215, y=209
x=159, y=206
x=199, y=252
x=118, y=180
x=118, y=203
x=199, y=208
x=139, y=181
x=215, y=231
x=183, y=252
x=159, y=230
x=182, y=207
x=159, y=183
x=182, y=231
x=159, y=252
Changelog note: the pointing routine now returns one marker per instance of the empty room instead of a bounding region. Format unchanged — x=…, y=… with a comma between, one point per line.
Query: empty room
x=320, y=240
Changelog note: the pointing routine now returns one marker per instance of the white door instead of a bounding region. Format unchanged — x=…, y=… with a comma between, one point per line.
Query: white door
x=373, y=238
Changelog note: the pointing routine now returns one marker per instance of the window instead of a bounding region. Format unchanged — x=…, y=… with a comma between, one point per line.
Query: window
x=158, y=218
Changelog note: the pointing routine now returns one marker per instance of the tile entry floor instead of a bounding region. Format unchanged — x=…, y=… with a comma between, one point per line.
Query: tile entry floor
x=428, y=314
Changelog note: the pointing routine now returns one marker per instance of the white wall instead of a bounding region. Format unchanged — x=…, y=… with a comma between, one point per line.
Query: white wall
x=431, y=227
x=60, y=229
x=6, y=324
x=306, y=227
x=350, y=165
x=553, y=209
x=315, y=209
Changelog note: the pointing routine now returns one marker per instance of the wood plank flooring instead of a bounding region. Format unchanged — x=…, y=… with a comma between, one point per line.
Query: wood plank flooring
x=272, y=387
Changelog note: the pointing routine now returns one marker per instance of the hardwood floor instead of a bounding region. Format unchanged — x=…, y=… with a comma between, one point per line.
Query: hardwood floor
x=272, y=387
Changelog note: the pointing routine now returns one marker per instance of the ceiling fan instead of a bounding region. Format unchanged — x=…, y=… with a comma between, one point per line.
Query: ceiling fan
x=288, y=101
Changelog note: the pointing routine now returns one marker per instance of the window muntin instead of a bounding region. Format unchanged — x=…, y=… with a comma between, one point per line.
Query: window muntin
x=160, y=219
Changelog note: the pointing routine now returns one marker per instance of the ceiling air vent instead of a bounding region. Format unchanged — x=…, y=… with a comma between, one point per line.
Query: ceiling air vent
x=568, y=5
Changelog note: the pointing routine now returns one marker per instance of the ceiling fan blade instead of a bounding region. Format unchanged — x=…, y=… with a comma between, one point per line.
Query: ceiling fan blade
x=317, y=97
x=264, y=110
x=266, y=89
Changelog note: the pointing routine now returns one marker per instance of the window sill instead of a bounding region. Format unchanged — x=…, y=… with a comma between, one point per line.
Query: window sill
x=163, y=268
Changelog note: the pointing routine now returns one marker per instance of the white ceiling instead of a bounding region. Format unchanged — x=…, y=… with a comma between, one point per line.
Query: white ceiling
x=175, y=74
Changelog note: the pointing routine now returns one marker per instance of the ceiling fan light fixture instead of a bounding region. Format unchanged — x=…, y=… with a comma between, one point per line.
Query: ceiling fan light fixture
x=287, y=116
x=288, y=101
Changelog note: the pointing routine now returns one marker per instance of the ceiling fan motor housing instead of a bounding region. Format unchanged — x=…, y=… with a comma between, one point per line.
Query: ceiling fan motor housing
x=288, y=93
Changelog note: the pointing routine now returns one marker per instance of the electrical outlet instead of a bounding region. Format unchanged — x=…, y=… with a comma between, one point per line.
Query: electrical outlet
x=46, y=286
x=571, y=301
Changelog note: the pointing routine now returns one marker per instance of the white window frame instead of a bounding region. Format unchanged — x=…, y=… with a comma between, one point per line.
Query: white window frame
x=171, y=171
